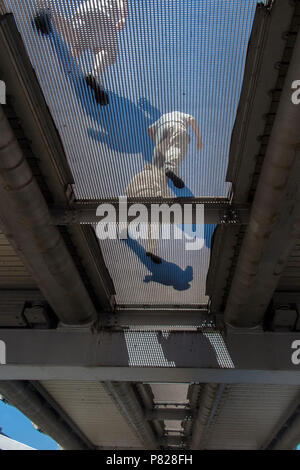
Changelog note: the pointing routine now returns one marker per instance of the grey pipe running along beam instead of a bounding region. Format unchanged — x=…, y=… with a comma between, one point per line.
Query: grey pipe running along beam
x=26, y=399
x=276, y=171
x=130, y=407
x=26, y=222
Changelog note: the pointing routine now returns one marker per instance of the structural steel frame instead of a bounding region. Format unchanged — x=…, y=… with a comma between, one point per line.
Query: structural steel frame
x=77, y=353
x=217, y=210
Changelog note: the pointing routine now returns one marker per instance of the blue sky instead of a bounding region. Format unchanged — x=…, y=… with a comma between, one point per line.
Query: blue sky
x=16, y=426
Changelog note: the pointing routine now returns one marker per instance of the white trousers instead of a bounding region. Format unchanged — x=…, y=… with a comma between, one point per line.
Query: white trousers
x=94, y=31
x=171, y=146
x=151, y=182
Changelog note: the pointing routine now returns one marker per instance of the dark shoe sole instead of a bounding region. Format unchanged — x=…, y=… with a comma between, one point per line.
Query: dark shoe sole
x=100, y=94
x=154, y=258
x=178, y=183
x=42, y=23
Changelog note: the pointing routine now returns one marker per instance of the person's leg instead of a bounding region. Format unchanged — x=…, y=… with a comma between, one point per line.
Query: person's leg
x=172, y=157
x=104, y=57
x=175, y=154
x=47, y=19
x=94, y=79
x=161, y=146
x=149, y=183
x=43, y=15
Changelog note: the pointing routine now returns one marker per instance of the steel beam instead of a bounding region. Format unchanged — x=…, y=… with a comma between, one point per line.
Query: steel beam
x=274, y=221
x=216, y=210
x=170, y=317
x=264, y=55
x=175, y=414
x=180, y=356
x=150, y=374
x=210, y=396
x=106, y=348
x=284, y=298
x=286, y=429
x=13, y=301
x=33, y=404
x=176, y=441
x=287, y=437
x=127, y=401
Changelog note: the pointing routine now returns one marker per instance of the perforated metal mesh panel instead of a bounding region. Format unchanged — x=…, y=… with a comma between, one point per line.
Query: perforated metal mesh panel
x=144, y=348
x=217, y=342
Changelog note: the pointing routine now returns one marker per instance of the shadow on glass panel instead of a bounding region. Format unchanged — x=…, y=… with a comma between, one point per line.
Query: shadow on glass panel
x=123, y=124
x=166, y=273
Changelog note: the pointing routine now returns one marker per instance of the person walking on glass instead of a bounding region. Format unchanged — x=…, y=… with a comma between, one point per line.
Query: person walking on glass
x=170, y=134
x=94, y=27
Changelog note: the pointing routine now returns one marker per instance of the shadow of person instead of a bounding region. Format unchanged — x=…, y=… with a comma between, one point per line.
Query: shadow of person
x=166, y=273
x=122, y=125
x=198, y=350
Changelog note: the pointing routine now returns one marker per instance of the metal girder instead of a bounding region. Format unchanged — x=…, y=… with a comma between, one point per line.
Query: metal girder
x=284, y=298
x=46, y=414
x=216, y=210
x=288, y=436
x=13, y=303
x=127, y=401
x=145, y=394
x=209, y=400
x=180, y=356
x=175, y=414
x=264, y=54
x=285, y=435
x=274, y=222
x=274, y=258
x=177, y=441
x=169, y=317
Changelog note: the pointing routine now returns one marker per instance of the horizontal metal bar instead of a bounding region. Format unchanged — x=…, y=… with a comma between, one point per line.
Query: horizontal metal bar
x=157, y=318
x=172, y=441
x=150, y=374
x=216, y=210
x=108, y=349
x=169, y=414
x=181, y=356
x=285, y=298
x=12, y=305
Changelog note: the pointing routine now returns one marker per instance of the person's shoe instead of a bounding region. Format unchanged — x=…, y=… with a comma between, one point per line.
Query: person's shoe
x=42, y=22
x=178, y=183
x=154, y=258
x=100, y=94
